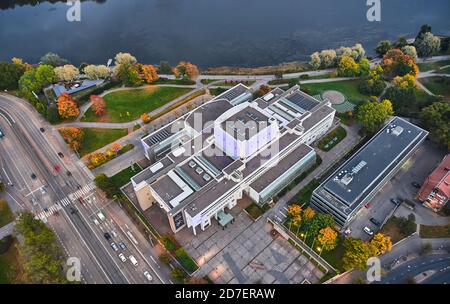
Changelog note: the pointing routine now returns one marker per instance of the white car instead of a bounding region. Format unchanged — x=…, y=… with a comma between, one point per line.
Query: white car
x=148, y=276
x=368, y=231
x=133, y=260
x=96, y=222
x=122, y=257
x=114, y=233
x=101, y=216
x=114, y=246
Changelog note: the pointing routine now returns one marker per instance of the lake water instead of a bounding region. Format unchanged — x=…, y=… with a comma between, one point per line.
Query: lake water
x=207, y=32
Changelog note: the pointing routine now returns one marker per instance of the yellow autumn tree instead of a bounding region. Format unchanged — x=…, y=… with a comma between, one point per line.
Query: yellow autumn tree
x=327, y=238
x=67, y=106
x=97, y=159
x=308, y=213
x=380, y=244
x=149, y=73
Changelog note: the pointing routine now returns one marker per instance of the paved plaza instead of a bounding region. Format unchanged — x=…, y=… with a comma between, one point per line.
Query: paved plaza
x=246, y=252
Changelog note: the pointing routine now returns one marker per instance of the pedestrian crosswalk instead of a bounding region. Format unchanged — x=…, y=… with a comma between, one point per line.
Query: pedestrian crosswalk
x=43, y=215
x=82, y=192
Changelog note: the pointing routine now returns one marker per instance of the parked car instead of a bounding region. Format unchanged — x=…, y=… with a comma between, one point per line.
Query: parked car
x=42, y=191
x=368, y=231
x=148, y=276
x=114, y=233
x=395, y=201
x=122, y=245
x=60, y=155
x=375, y=222
x=96, y=222
x=114, y=246
x=33, y=176
x=122, y=257
x=107, y=236
x=416, y=185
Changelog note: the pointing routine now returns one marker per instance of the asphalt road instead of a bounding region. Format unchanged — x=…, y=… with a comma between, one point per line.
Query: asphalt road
x=440, y=264
x=24, y=151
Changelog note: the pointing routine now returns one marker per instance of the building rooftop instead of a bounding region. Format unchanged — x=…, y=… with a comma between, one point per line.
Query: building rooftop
x=367, y=167
x=245, y=123
x=438, y=181
x=234, y=92
x=281, y=166
x=205, y=115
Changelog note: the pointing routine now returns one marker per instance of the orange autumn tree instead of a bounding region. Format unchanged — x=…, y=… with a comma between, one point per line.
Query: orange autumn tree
x=396, y=63
x=185, y=69
x=73, y=137
x=98, y=105
x=149, y=73
x=117, y=147
x=145, y=118
x=67, y=106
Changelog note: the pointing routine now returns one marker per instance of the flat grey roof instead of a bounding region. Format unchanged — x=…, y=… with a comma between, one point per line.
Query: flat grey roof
x=166, y=188
x=282, y=166
x=376, y=159
x=317, y=116
x=208, y=113
x=148, y=175
x=164, y=133
x=216, y=157
x=242, y=124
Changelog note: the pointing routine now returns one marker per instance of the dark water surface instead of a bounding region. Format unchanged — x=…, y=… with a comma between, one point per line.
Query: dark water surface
x=207, y=32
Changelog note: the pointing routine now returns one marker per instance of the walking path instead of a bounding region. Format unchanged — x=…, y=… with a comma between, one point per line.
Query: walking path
x=7, y=230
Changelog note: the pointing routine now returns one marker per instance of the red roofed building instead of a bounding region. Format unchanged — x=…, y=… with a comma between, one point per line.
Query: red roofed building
x=435, y=191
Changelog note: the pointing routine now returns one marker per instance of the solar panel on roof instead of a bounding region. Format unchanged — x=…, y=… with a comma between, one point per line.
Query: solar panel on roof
x=302, y=101
x=158, y=137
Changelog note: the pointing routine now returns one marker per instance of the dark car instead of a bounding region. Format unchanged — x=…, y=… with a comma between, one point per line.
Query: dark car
x=69, y=173
x=42, y=130
x=416, y=185
x=395, y=201
x=60, y=155
x=375, y=222
x=122, y=245
x=33, y=176
x=107, y=236
x=73, y=210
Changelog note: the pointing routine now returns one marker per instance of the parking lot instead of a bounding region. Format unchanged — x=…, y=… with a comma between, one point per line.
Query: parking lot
x=416, y=169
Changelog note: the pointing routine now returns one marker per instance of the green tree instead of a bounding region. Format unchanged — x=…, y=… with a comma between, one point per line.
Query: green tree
x=106, y=185
x=44, y=259
x=319, y=222
x=427, y=46
x=129, y=75
x=400, y=43
x=436, y=119
x=2, y=187
x=356, y=253
x=53, y=59
x=372, y=114
x=10, y=74
x=403, y=99
x=383, y=47
x=164, y=68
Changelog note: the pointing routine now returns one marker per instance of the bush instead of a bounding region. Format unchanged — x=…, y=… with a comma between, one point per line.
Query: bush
x=164, y=258
x=178, y=274
x=170, y=243
x=371, y=87
x=185, y=260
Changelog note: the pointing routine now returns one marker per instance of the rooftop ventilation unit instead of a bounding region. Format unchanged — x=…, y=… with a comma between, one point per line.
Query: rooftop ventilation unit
x=192, y=164
x=397, y=130
x=199, y=170
x=359, y=166
x=206, y=177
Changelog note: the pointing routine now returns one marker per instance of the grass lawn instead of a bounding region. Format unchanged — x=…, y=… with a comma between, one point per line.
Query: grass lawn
x=6, y=215
x=174, y=81
x=255, y=211
x=304, y=196
x=349, y=88
x=437, y=85
x=332, y=139
x=124, y=176
x=217, y=91
x=432, y=65
x=10, y=267
x=434, y=231
x=208, y=81
x=444, y=71
x=125, y=106
x=95, y=138
x=398, y=228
